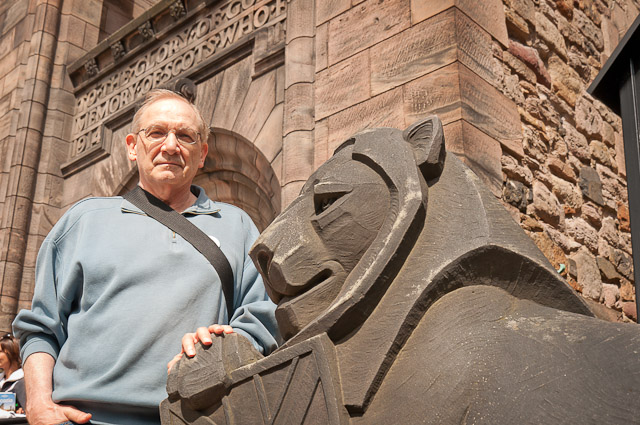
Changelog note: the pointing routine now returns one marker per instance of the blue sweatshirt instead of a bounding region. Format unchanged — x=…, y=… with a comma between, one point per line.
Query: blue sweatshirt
x=116, y=291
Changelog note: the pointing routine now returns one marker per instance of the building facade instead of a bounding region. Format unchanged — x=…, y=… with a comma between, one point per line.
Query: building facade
x=282, y=83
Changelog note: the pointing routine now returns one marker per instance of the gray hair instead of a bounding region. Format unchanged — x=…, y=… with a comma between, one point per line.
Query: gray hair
x=160, y=94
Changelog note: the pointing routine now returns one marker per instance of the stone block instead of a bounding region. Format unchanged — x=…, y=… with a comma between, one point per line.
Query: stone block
x=375, y=21
x=89, y=11
x=623, y=263
x=620, y=161
x=561, y=169
x=15, y=14
x=321, y=148
x=627, y=291
x=480, y=152
x=588, y=118
x=436, y=93
x=328, y=9
x=567, y=193
x=550, y=249
x=610, y=38
x=588, y=274
x=298, y=108
x=629, y=310
x=235, y=83
x=592, y=213
x=516, y=194
x=545, y=206
x=530, y=57
x=610, y=294
x=72, y=30
x=588, y=29
x=609, y=232
x=290, y=191
x=564, y=80
x=613, y=188
x=591, y=185
x=549, y=32
x=269, y=140
x=257, y=106
x=207, y=95
x=489, y=110
x=300, y=61
x=512, y=169
x=297, y=151
x=342, y=85
x=300, y=22
x=420, y=50
x=608, y=270
x=576, y=141
x=384, y=110
x=517, y=27
x=488, y=14
x=623, y=217
x=321, y=47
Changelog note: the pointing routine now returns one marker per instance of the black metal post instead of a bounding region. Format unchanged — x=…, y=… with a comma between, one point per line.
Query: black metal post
x=629, y=109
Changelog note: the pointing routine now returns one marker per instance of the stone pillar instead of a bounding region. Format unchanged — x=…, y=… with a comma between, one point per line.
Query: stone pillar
x=26, y=156
x=298, y=121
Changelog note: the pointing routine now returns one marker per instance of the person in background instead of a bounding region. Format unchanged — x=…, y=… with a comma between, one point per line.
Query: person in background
x=12, y=377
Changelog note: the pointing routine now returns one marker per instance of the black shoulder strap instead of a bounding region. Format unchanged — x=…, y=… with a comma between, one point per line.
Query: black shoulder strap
x=175, y=221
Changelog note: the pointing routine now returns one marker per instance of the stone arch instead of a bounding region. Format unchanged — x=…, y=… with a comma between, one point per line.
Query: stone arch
x=236, y=172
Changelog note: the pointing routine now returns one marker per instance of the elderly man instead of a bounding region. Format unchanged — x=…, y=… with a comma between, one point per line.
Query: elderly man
x=116, y=290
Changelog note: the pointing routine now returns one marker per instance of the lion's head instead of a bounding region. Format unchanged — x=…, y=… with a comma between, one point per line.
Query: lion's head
x=330, y=246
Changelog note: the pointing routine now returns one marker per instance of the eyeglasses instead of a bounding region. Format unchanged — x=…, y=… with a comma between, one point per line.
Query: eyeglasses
x=157, y=134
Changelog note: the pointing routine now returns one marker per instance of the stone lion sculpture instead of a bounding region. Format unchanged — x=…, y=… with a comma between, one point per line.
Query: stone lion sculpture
x=407, y=294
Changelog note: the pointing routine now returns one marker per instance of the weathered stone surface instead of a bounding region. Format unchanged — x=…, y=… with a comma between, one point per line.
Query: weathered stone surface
x=623, y=217
x=328, y=9
x=530, y=57
x=516, y=171
x=319, y=370
x=588, y=119
x=591, y=185
x=600, y=153
x=592, y=213
x=415, y=52
x=550, y=249
x=550, y=34
x=342, y=85
x=608, y=231
x=588, y=29
x=620, y=161
x=627, y=291
x=612, y=189
x=546, y=206
x=588, y=274
x=608, y=271
x=561, y=169
x=629, y=309
x=610, y=294
x=564, y=80
x=582, y=232
x=568, y=194
x=516, y=194
x=376, y=22
x=488, y=14
x=623, y=263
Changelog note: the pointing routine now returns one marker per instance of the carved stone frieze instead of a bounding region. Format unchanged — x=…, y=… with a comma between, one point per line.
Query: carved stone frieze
x=91, y=67
x=177, y=10
x=118, y=51
x=146, y=30
x=187, y=49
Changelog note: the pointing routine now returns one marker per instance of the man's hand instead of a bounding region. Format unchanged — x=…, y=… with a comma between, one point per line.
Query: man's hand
x=202, y=335
x=41, y=410
x=52, y=413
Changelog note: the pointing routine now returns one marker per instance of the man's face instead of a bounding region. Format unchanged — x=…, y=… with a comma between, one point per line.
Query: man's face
x=169, y=162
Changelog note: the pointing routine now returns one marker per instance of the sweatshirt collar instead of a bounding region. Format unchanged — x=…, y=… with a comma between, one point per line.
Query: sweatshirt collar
x=202, y=205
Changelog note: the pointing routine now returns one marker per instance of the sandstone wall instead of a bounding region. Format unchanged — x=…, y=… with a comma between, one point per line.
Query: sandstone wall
x=508, y=79
x=569, y=189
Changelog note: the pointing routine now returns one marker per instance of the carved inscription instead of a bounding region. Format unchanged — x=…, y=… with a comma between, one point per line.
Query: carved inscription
x=193, y=45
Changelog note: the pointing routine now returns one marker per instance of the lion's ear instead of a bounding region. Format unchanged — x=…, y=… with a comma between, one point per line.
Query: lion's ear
x=426, y=138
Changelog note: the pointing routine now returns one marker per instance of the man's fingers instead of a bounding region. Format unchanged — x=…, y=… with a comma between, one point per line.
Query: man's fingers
x=188, y=344
x=75, y=415
x=204, y=336
x=173, y=361
x=220, y=329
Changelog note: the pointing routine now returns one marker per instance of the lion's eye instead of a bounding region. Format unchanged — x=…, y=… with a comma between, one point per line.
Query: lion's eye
x=324, y=202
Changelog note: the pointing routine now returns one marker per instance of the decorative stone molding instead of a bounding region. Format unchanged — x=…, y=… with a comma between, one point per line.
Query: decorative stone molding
x=91, y=67
x=177, y=10
x=208, y=35
x=118, y=51
x=146, y=30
